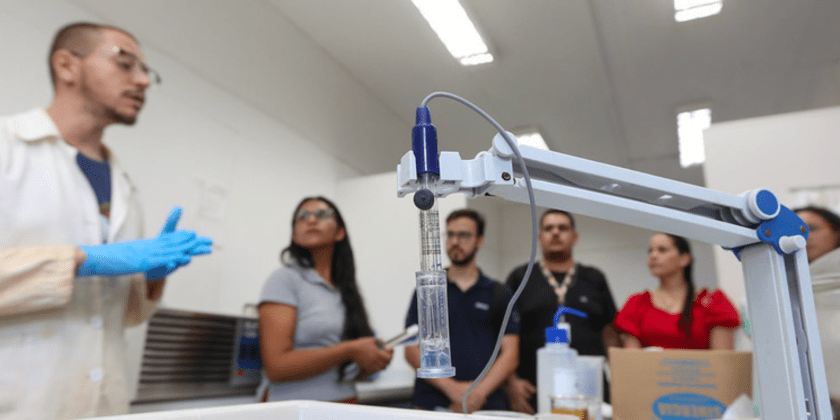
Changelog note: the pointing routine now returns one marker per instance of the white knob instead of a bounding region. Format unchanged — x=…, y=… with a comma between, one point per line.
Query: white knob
x=791, y=244
x=501, y=148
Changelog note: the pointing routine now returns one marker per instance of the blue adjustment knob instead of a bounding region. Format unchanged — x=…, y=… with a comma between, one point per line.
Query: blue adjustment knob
x=424, y=199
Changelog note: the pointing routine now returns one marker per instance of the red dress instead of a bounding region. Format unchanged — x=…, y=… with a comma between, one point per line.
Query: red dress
x=655, y=327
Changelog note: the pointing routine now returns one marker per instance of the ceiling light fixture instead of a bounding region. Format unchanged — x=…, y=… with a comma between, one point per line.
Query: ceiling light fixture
x=450, y=22
x=530, y=137
x=690, y=126
x=685, y=10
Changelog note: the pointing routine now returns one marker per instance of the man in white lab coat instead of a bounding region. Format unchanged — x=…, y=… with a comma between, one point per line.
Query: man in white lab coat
x=74, y=270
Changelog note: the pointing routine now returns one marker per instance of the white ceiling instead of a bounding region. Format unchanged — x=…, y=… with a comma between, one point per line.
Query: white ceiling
x=602, y=78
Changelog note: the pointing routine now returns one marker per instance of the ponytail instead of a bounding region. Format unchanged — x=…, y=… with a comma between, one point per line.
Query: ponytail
x=685, y=317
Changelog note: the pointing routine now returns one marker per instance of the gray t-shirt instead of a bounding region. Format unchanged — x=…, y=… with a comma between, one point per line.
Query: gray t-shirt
x=320, y=322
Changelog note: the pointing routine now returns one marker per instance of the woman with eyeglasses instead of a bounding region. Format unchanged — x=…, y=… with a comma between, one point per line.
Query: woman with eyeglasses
x=674, y=315
x=315, y=338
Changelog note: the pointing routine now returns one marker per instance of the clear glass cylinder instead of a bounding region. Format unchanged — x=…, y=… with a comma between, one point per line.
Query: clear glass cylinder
x=433, y=320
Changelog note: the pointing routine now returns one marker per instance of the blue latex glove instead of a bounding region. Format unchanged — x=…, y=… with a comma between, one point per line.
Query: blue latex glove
x=163, y=254
x=169, y=227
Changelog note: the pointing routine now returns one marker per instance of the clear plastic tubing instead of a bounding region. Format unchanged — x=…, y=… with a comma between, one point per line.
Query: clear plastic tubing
x=432, y=308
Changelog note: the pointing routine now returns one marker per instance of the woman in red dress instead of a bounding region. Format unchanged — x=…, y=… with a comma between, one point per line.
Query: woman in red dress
x=673, y=315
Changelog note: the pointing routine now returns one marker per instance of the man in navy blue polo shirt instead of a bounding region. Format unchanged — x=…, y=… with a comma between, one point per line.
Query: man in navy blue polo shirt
x=476, y=309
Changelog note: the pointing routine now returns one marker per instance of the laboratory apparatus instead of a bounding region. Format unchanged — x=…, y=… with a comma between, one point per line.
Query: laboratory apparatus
x=768, y=238
x=432, y=307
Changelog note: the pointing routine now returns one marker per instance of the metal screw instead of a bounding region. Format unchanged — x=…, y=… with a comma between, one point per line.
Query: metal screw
x=767, y=232
x=506, y=176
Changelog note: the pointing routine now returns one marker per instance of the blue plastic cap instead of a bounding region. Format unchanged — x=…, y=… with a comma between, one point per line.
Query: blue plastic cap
x=423, y=116
x=424, y=143
x=556, y=335
x=767, y=202
x=553, y=334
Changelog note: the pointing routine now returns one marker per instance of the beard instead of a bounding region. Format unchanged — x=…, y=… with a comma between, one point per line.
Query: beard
x=121, y=118
x=463, y=261
x=110, y=113
x=95, y=106
x=557, y=255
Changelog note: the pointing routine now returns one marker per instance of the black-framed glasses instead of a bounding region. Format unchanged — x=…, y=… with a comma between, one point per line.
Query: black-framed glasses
x=322, y=214
x=460, y=236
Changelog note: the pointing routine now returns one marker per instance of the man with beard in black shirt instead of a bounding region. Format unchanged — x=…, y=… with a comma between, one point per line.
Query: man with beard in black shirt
x=558, y=280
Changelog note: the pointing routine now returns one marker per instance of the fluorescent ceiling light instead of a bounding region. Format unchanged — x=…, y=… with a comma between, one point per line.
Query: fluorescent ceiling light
x=473, y=60
x=455, y=29
x=690, y=126
x=531, y=137
x=685, y=10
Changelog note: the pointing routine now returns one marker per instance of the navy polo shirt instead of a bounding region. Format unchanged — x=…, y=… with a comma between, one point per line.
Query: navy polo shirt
x=471, y=338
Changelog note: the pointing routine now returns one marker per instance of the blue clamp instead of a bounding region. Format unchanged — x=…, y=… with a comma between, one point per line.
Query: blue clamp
x=786, y=232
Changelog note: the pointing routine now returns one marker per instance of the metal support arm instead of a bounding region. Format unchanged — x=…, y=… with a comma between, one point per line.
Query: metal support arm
x=769, y=239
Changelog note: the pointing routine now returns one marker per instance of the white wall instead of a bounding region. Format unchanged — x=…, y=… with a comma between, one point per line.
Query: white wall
x=789, y=154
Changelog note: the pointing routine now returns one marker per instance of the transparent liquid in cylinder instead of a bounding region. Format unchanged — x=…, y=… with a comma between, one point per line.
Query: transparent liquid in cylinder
x=435, y=341
x=433, y=320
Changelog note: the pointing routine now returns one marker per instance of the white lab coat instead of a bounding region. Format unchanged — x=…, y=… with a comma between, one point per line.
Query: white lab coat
x=61, y=338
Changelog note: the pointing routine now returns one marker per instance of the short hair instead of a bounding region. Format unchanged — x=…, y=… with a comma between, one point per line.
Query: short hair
x=829, y=216
x=80, y=38
x=472, y=214
x=556, y=211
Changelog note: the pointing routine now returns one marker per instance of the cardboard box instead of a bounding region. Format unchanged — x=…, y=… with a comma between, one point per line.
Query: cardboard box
x=677, y=384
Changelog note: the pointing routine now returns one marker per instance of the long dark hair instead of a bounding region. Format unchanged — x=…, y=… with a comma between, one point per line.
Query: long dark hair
x=684, y=248
x=343, y=272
